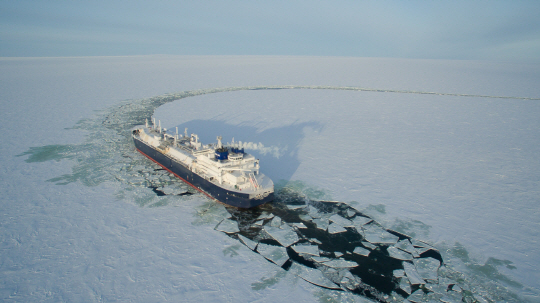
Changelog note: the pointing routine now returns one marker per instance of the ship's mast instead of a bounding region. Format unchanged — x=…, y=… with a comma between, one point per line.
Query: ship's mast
x=219, y=145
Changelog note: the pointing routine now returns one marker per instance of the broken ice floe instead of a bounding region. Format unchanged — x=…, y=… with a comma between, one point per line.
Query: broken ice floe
x=405, y=285
x=285, y=235
x=306, y=249
x=417, y=296
x=320, y=259
x=249, y=243
x=299, y=225
x=294, y=207
x=407, y=246
x=265, y=216
x=399, y=254
x=412, y=274
x=399, y=273
x=313, y=276
x=361, y=251
x=339, y=220
x=318, y=244
x=359, y=221
x=227, y=226
x=369, y=245
x=427, y=268
x=276, y=254
x=339, y=263
x=375, y=234
x=321, y=223
x=334, y=228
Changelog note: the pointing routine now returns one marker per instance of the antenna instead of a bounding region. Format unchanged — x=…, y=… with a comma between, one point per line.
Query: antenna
x=159, y=126
x=177, y=132
x=154, y=123
x=185, y=132
x=146, y=122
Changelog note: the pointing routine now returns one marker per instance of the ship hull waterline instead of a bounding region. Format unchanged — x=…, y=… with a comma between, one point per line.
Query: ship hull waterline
x=211, y=190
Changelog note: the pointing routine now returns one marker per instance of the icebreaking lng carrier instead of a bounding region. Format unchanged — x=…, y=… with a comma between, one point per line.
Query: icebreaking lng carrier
x=225, y=173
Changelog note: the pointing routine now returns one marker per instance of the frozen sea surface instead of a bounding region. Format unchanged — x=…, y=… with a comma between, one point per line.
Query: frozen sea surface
x=82, y=218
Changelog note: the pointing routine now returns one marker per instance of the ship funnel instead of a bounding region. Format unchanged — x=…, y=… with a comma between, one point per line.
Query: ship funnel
x=159, y=126
x=146, y=122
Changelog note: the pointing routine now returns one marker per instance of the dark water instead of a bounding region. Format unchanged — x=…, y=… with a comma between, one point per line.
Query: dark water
x=374, y=274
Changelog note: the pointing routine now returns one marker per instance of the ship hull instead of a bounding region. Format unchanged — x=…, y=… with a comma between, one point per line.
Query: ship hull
x=208, y=188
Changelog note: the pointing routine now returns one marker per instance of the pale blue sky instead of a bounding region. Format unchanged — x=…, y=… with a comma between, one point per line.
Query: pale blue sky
x=492, y=30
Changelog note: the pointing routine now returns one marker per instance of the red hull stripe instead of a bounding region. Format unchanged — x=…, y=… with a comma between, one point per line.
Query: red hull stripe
x=177, y=175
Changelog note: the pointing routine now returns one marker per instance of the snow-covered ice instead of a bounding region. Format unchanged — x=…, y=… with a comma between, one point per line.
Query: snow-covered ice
x=460, y=172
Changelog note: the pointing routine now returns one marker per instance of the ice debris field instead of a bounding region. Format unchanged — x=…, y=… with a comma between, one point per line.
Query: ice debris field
x=412, y=174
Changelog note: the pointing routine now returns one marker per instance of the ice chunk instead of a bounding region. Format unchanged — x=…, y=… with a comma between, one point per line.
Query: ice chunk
x=227, y=226
x=259, y=223
x=339, y=220
x=294, y=207
x=405, y=285
x=399, y=273
x=437, y=288
x=321, y=223
x=369, y=245
x=350, y=212
x=305, y=218
x=399, y=254
x=275, y=254
x=338, y=254
x=312, y=276
x=299, y=225
x=451, y=297
x=313, y=212
x=412, y=274
x=349, y=281
x=276, y=222
x=316, y=241
x=358, y=221
x=340, y=263
x=334, y=228
x=249, y=243
x=422, y=245
x=285, y=235
x=306, y=249
x=427, y=268
x=361, y=251
x=265, y=216
x=377, y=235
x=417, y=296
x=334, y=274
x=407, y=246
x=320, y=259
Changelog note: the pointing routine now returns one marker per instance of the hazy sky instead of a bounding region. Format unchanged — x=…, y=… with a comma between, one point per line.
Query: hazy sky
x=493, y=30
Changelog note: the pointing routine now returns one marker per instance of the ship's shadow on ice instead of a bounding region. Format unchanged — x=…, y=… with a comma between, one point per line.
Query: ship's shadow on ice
x=277, y=148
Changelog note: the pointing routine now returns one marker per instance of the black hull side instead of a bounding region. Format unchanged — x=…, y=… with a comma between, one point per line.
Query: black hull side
x=210, y=189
